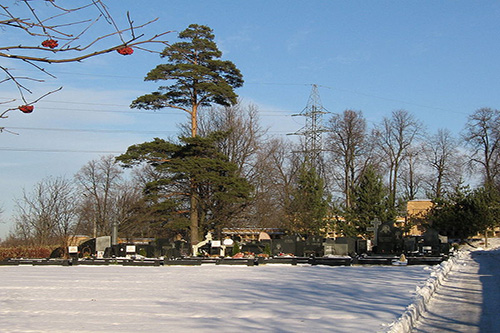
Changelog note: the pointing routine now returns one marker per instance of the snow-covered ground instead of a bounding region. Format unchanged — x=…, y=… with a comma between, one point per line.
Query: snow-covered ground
x=468, y=299
x=271, y=298
x=277, y=298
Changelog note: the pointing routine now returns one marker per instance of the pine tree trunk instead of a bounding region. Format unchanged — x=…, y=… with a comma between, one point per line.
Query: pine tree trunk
x=193, y=217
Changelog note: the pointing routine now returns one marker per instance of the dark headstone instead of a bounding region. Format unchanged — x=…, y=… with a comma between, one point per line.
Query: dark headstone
x=253, y=247
x=57, y=253
x=410, y=245
x=289, y=245
x=87, y=248
x=430, y=243
x=361, y=246
x=314, y=246
x=389, y=239
x=350, y=242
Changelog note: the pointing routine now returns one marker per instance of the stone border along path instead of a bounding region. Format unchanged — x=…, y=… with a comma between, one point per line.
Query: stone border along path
x=461, y=296
x=414, y=311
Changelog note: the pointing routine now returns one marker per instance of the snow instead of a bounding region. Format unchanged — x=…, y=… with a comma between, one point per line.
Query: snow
x=272, y=298
x=269, y=298
x=461, y=295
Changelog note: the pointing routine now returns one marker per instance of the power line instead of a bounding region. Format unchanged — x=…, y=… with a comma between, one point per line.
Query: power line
x=82, y=130
x=391, y=99
x=169, y=112
x=293, y=84
x=60, y=150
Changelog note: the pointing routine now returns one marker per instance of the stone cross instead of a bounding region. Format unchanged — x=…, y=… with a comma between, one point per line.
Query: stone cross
x=375, y=223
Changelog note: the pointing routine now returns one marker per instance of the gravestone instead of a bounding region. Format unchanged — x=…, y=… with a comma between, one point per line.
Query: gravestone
x=101, y=244
x=181, y=248
x=445, y=245
x=162, y=247
x=362, y=246
x=389, y=239
x=410, y=245
x=253, y=247
x=341, y=246
x=288, y=245
x=328, y=247
x=314, y=246
x=375, y=224
x=430, y=243
x=117, y=250
x=350, y=242
x=87, y=248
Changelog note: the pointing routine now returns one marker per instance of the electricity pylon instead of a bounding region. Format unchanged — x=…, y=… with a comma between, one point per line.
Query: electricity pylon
x=313, y=129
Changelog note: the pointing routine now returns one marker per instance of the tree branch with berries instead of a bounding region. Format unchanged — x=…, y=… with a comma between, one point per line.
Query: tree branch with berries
x=56, y=34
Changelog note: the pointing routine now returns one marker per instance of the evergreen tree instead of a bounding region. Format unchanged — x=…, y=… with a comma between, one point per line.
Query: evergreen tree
x=465, y=213
x=199, y=77
x=194, y=165
x=370, y=201
x=308, y=207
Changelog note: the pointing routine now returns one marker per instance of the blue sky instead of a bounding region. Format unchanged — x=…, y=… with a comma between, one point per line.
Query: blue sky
x=436, y=59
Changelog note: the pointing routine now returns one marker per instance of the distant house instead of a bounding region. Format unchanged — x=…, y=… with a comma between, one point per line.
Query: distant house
x=416, y=211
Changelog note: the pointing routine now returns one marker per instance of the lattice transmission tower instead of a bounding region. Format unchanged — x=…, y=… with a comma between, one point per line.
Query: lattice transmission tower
x=313, y=129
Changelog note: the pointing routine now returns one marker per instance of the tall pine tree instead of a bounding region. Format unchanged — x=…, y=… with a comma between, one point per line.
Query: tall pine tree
x=198, y=77
x=197, y=74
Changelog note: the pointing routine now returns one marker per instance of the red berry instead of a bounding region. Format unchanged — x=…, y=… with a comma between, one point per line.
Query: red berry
x=51, y=43
x=26, y=108
x=125, y=50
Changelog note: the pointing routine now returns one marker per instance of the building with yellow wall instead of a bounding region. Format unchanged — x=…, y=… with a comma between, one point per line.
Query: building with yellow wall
x=416, y=211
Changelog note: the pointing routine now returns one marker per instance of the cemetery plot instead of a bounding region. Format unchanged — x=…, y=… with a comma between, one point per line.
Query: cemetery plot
x=388, y=246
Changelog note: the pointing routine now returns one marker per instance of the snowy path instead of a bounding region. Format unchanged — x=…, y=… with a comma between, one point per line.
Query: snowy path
x=469, y=299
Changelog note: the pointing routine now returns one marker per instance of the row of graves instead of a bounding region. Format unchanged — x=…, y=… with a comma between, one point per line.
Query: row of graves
x=388, y=247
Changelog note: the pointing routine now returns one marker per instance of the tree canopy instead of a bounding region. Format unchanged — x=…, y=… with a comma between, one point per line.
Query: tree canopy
x=193, y=166
x=465, y=213
x=308, y=206
x=198, y=76
x=370, y=201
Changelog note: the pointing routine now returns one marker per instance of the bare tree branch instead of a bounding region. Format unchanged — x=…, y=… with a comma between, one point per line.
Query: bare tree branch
x=80, y=38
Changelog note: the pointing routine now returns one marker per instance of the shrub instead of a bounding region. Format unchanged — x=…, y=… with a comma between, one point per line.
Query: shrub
x=236, y=248
x=25, y=252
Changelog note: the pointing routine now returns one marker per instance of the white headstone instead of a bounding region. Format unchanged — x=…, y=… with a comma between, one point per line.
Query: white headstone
x=101, y=243
x=72, y=249
x=228, y=242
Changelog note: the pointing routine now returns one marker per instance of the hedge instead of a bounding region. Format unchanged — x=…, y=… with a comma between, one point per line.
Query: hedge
x=25, y=252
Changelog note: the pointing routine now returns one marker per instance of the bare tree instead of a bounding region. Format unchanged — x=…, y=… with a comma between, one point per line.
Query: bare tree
x=127, y=210
x=348, y=147
x=47, y=215
x=52, y=34
x=395, y=136
x=412, y=175
x=446, y=163
x=245, y=134
x=1, y=212
x=98, y=181
x=278, y=170
x=482, y=134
